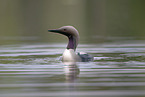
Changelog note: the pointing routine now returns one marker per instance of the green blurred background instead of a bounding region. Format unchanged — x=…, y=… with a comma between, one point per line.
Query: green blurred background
x=25, y=21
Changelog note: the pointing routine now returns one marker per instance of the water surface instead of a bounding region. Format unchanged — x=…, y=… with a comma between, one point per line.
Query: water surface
x=34, y=70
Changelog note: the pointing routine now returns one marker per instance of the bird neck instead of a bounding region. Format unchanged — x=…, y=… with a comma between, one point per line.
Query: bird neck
x=72, y=44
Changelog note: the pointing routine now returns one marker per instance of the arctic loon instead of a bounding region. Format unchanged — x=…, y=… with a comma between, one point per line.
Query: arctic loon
x=69, y=54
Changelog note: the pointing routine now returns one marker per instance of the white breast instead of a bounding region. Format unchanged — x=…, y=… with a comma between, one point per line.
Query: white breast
x=69, y=55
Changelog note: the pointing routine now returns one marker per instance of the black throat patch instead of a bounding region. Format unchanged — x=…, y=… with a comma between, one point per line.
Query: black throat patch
x=71, y=43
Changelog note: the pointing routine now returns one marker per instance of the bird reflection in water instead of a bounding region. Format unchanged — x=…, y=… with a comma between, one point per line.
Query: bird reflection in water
x=71, y=71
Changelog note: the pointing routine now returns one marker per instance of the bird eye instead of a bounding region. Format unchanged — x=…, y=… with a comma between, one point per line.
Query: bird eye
x=64, y=29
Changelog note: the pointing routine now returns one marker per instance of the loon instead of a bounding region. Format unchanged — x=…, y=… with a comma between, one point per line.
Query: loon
x=69, y=54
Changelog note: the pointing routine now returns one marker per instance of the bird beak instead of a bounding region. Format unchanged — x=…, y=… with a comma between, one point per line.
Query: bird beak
x=58, y=31
x=53, y=30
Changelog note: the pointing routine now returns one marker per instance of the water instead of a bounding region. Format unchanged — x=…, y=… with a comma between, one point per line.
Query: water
x=34, y=70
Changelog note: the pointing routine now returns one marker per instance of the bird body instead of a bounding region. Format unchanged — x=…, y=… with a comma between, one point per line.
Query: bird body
x=69, y=54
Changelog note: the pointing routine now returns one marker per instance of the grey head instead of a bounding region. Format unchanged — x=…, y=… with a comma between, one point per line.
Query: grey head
x=71, y=33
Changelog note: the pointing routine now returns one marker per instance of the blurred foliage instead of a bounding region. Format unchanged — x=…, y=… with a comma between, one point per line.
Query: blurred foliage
x=28, y=20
